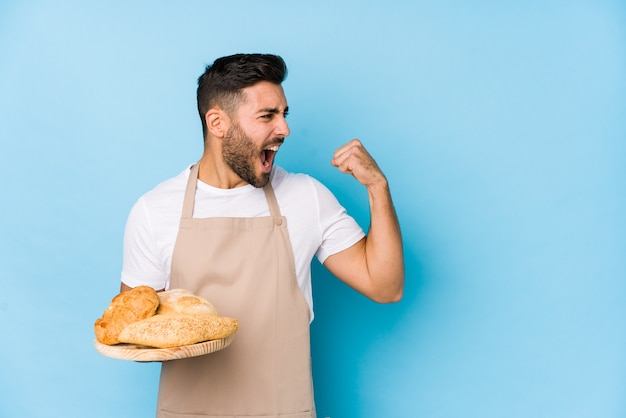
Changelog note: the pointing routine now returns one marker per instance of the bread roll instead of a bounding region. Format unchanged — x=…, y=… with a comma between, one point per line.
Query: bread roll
x=134, y=305
x=173, y=329
x=184, y=302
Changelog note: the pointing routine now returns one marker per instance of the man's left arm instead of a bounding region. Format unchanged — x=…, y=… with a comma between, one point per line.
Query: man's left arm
x=374, y=266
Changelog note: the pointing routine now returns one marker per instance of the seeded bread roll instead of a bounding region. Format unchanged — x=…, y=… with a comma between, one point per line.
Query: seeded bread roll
x=172, y=330
x=184, y=302
x=134, y=305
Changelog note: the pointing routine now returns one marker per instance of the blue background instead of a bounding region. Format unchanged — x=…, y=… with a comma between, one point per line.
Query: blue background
x=500, y=125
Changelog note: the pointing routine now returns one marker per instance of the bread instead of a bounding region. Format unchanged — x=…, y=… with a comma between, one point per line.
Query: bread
x=167, y=319
x=184, y=302
x=134, y=305
x=173, y=329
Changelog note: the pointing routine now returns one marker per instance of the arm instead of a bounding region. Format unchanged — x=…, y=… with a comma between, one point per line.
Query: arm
x=373, y=266
x=142, y=263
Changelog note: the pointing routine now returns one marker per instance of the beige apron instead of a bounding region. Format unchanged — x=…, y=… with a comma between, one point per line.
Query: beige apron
x=245, y=267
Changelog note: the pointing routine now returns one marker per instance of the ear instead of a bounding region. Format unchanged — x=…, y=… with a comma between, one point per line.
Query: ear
x=217, y=122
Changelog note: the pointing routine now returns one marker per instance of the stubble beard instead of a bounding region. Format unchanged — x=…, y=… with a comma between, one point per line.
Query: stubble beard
x=240, y=154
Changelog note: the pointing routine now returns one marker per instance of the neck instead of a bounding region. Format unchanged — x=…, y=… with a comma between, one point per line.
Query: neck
x=213, y=171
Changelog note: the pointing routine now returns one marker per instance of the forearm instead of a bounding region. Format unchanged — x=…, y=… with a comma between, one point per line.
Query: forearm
x=383, y=246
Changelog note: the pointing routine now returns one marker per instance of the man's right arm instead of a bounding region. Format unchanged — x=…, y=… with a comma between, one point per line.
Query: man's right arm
x=140, y=255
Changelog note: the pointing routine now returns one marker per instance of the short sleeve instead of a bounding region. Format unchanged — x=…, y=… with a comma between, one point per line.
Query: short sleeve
x=142, y=263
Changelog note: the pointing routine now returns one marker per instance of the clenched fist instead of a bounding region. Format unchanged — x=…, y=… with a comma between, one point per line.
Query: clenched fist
x=353, y=158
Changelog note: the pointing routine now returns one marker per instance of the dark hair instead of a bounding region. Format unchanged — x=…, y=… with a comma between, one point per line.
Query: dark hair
x=222, y=82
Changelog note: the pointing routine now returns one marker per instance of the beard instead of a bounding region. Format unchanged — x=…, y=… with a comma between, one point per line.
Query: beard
x=241, y=155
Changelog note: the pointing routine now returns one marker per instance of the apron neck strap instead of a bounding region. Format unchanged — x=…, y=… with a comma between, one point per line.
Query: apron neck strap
x=190, y=194
x=272, y=202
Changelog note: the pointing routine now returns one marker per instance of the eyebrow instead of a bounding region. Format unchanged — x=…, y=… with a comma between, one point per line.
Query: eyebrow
x=273, y=110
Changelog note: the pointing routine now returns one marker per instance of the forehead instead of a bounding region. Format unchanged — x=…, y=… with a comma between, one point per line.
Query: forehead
x=263, y=95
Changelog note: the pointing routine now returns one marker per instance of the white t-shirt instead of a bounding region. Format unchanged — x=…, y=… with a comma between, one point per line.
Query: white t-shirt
x=317, y=224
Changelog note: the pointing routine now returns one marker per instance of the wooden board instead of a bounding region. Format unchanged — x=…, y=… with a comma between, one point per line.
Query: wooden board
x=142, y=353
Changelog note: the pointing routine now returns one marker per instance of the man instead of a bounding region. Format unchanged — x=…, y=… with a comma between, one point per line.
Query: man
x=241, y=232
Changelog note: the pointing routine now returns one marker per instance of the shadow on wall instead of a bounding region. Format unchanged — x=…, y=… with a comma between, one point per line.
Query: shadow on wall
x=346, y=327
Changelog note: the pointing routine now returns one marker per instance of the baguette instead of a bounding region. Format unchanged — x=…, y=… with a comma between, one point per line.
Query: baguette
x=174, y=329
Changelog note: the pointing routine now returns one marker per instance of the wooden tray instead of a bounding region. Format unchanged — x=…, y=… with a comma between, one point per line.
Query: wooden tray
x=142, y=353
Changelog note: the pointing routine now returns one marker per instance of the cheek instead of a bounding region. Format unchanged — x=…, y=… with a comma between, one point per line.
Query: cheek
x=257, y=132
x=258, y=137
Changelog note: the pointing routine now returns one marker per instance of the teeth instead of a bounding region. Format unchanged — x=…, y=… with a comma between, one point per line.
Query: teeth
x=273, y=148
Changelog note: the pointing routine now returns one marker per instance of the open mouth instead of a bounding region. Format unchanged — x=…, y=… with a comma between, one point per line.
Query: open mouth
x=267, y=156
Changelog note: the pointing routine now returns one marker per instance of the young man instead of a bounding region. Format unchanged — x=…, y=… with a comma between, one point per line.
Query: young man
x=241, y=232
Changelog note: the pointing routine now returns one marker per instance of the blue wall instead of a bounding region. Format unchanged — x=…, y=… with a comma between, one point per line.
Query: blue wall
x=500, y=126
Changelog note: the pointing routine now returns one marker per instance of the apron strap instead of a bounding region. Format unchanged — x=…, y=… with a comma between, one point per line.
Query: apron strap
x=190, y=194
x=272, y=202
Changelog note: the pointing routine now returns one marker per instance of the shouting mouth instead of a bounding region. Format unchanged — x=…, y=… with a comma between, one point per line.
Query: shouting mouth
x=267, y=156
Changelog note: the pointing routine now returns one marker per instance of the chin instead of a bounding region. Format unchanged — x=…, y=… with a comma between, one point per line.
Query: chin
x=261, y=180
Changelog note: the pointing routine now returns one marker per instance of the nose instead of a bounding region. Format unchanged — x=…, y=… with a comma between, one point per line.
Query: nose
x=282, y=127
